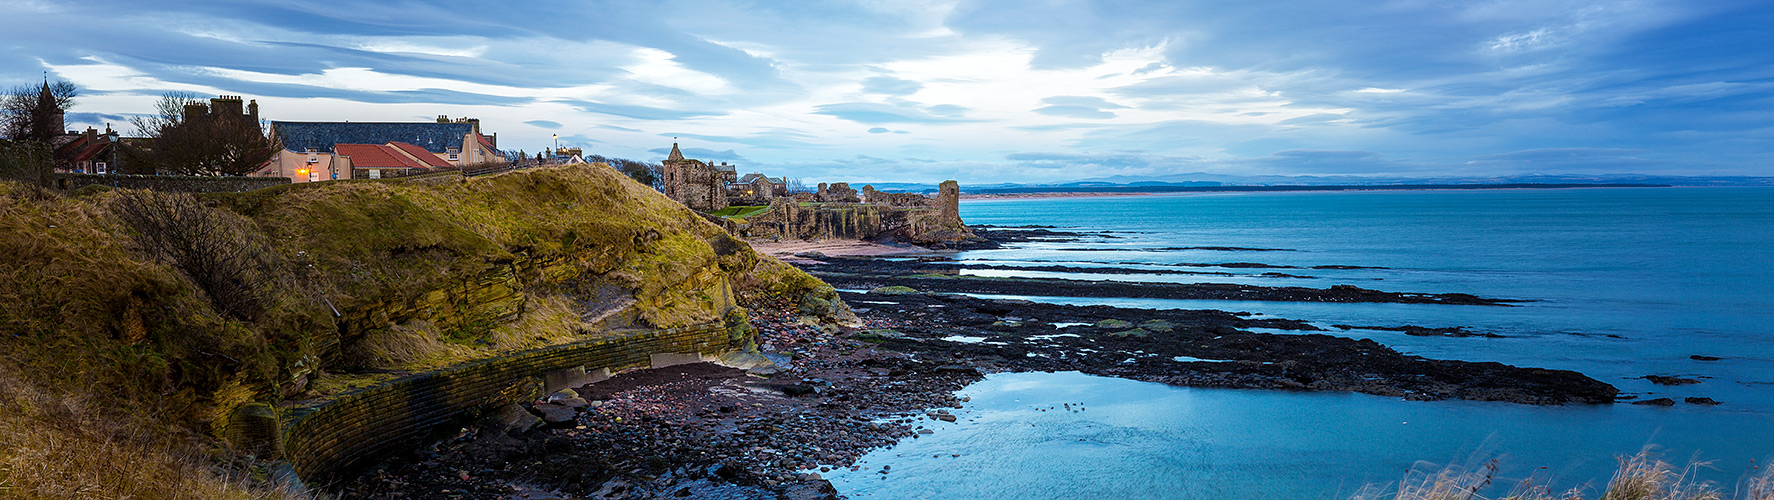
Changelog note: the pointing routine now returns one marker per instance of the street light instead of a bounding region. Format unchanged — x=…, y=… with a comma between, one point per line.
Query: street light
x=557, y=148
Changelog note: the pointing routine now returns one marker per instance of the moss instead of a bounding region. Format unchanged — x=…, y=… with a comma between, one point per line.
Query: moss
x=894, y=290
x=1158, y=325
x=1113, y=323
x=1137, y=332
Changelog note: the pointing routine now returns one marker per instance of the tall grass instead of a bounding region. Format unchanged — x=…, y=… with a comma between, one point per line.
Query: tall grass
x=66, y=446
x=1640, y=477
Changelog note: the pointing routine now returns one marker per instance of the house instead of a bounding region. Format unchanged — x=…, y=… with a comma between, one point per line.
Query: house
x=89, y=152
x=311, y=150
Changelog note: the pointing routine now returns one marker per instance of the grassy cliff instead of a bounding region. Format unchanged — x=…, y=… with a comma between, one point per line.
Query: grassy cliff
x=132, y=322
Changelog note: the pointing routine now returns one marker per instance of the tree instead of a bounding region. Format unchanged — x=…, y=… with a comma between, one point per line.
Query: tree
x=27, y=114
x=186, y=137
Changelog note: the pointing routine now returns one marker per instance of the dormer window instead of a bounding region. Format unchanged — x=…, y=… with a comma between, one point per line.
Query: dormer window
x=455, y=154
x=313, y=156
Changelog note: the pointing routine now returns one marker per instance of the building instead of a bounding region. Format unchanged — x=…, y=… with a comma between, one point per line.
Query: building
x=89, y=152
x=311, y=150
x=698, y=185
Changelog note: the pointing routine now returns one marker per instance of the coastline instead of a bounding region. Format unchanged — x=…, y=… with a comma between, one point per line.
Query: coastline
x=838, y=392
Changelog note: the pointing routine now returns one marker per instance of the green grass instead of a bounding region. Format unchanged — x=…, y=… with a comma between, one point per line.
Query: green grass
x=741, y=212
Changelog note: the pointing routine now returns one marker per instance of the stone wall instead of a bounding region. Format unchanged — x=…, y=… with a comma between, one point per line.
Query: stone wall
x=328, y=441
x=171, y=183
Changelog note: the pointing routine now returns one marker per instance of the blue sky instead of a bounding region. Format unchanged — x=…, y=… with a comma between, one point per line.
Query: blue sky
x=980, y=91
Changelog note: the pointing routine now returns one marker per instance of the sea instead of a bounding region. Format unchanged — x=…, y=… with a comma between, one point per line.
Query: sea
x=1617, y=283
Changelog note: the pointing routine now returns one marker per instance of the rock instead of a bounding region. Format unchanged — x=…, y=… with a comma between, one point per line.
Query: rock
x=894, y=290
x=568, y=398
x=951, y=418
x=1663, y=380
x=1158, y=325
x=1702, y=357
x=1702, y=401
x=1113, y=323
x=556, y=415
x=511, y=419
x=1656, y=402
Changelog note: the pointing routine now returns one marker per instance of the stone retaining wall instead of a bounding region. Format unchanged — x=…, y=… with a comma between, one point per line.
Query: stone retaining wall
x=335, y=439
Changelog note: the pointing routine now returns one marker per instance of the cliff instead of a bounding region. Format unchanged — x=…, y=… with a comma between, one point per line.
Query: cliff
x=168, y=311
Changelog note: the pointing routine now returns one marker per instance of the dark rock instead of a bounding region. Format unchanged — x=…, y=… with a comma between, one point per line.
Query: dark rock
x=1663, y=380
x=1701, y=401
x=556, y=415
x=1656, y=402
x=1700, y=357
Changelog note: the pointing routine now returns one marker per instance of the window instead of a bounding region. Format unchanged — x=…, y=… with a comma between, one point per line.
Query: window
x=375, y=173
x=99, y=168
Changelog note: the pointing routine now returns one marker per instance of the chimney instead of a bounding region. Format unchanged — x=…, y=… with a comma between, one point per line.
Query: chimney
x=252, y=109
x=443, y=118
x=475, y=122
x=195, y=110
x=228, y=105
x=91, y=134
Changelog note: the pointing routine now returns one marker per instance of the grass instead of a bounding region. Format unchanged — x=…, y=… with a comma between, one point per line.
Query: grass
x=1640, y=477
x=741, y=212
x=69, y=446
x=120, y=369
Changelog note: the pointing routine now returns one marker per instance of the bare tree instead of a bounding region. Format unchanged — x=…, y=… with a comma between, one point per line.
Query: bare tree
x=24, y=115
x=796, y=186
x=187, y=138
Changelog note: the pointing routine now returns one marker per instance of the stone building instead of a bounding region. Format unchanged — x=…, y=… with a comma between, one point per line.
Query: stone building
x=700, y=186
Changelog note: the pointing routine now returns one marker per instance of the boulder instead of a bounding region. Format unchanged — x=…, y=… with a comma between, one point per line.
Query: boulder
x=556, y=415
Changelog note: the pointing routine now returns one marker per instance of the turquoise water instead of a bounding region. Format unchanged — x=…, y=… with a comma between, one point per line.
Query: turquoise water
x=1623, y=283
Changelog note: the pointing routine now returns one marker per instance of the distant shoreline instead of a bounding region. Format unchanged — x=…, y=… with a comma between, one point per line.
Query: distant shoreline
x=1064, y=192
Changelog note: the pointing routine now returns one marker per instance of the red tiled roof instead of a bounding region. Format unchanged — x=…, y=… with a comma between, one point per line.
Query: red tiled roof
x=375, y=156
x=81, y=149
x=424, y=156
x=488, y=143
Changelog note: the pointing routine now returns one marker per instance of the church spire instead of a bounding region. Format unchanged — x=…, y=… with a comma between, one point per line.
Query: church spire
x=675, y=154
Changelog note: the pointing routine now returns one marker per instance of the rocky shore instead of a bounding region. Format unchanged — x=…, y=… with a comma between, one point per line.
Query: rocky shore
x=705, y=431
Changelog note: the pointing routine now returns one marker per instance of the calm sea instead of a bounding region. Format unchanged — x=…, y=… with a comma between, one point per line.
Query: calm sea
x=1623, y=283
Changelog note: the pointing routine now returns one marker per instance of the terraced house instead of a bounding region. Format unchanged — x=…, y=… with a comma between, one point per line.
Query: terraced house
x=317, y=151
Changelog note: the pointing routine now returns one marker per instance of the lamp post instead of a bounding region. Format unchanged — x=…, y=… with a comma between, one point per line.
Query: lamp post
x=557, y=148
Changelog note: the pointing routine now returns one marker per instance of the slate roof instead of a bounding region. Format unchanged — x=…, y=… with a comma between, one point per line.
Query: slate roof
x=424, y=156
x=433, y=137
x=375, y=156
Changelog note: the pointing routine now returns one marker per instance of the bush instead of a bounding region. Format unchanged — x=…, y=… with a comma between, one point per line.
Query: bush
x=217, y=250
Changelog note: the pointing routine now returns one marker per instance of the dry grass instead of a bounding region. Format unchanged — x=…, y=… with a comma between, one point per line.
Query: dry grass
x=1640, y=477
x=62, y=446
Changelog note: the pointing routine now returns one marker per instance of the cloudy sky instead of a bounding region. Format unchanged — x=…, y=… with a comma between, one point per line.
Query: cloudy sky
x=980, y=91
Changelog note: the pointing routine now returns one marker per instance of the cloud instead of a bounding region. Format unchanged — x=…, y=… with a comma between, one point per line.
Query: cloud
x=544, y=124
x=879, y=130
x=869, y=113
x=639, y=112
x=1074, y=112
x=704, y=154
x=890, y=86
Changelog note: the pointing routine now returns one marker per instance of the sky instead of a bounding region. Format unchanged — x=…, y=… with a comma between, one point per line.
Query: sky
x=980, y=91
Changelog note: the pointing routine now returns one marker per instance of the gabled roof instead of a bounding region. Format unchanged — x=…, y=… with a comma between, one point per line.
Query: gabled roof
x=487, y=142
x=375, y=156
x=82, y=149
x=421, y=154
x=321, y=136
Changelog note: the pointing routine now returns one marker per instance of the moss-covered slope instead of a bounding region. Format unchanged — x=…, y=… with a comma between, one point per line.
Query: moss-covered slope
x=345, y=277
